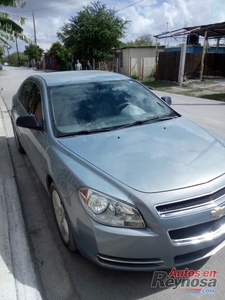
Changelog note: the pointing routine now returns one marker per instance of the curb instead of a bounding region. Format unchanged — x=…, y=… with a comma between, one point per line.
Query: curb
x=18, y=280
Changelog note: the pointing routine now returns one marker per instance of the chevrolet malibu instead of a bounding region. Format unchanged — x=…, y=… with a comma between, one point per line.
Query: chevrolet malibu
x=133, y=184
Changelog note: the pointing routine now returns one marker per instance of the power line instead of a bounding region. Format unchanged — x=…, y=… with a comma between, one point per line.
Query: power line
x=129, y=5
x=71, y=3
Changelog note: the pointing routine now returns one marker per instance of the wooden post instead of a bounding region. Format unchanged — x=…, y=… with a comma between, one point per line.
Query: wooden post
x=156, y=59
x=142, y=68
x=217, y=45
x=203, y=55
x=130, y=67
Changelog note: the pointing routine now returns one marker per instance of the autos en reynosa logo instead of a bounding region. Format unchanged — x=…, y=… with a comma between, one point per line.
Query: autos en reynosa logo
x=186, y=281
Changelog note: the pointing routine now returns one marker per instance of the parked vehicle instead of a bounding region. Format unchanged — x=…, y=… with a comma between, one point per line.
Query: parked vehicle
x=134, y=185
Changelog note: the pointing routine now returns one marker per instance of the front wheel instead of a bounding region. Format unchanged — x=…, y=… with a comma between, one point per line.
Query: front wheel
x=62, y=220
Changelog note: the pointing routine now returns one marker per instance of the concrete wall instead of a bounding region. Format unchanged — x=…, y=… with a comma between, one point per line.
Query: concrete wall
x=138, y=61
x=148, y=67
x=124, y=69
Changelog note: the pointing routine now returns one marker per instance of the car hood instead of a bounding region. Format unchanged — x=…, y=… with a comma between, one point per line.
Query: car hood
x=160, y=156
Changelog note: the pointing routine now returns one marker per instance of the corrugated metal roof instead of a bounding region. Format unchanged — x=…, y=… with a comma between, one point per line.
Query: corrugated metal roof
x=216, y=30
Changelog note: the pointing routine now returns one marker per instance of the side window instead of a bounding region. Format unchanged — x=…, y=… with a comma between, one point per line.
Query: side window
x=35, y=103
x=24, y=93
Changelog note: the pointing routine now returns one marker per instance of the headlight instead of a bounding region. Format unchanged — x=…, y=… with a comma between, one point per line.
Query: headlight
x=109, y=211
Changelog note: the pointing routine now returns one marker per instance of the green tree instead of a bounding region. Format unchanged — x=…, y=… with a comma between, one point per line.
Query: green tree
x=10, y=30
x=94, y=33
x=33, y=52
x=13, y=58
x=12, y=2
x=142, y=40
x=60, y=54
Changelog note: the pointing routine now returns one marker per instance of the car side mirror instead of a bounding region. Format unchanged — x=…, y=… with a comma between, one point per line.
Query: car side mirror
x=167, y=99
x=29, y=122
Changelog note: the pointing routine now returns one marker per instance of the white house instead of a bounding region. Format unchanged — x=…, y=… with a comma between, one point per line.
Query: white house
x=138, y=61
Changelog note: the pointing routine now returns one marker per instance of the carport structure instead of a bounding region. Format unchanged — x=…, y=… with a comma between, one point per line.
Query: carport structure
x=210, y=31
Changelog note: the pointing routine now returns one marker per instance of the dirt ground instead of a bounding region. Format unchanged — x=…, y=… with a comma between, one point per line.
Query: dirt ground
x=198, y=88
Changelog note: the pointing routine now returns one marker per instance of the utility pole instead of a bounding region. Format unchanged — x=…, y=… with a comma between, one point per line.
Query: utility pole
x=166, y=32
x=17, y=50
x=182, y=64
x=35, y=37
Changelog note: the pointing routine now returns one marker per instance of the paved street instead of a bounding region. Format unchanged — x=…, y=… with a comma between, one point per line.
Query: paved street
x=206, y=113
x=69, y=276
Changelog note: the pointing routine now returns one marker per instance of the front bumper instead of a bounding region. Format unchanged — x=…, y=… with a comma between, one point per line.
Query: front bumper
x=141, y=250
x=172, y=240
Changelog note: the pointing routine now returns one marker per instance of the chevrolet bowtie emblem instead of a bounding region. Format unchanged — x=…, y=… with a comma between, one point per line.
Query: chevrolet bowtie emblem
x=218, y=211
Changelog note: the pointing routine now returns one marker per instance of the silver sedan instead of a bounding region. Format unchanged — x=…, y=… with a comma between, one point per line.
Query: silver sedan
x=133, y=184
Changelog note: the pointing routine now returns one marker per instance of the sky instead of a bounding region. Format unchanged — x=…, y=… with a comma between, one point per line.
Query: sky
x=146, y=17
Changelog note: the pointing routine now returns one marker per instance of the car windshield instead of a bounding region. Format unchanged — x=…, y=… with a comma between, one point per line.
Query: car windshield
x=108, y=105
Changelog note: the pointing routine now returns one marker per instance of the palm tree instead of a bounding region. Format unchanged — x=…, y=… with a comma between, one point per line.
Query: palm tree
x=12, y=2
x=10, y=30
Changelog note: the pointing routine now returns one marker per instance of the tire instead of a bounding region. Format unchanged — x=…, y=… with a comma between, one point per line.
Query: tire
x=17, y=141
x=62, y=220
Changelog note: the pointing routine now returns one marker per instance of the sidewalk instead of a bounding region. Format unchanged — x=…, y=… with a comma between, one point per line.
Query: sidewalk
x=18, y=280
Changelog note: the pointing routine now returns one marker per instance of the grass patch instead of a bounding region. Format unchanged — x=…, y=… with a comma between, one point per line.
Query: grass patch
x=218, y=97
x=158, y=84
x=190, y=84
x=194, y=88
x=190, y=92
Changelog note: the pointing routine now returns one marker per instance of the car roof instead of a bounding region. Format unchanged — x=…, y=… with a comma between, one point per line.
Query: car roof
x=70, y=77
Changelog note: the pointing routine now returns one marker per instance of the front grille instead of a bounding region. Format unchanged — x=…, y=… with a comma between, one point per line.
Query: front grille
x=190, y=203
x=200, y=232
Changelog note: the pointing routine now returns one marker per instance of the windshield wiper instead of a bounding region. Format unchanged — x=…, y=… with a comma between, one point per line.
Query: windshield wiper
x=157, y=119
x=84, y=132
x=135, y=123
x=146, y=121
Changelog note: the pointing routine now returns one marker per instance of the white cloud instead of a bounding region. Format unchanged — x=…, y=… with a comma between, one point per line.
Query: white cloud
x=147, y=16
x=139, y=24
